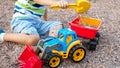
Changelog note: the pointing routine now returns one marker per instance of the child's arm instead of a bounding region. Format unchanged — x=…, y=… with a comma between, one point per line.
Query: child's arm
x=61, y=3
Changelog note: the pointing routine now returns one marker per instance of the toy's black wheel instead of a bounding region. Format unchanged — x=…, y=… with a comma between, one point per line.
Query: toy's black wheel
x=98, y=34
x=94, y=42
x=97, y=37
x=53, y=60
x=77, y=53
x=92, y=45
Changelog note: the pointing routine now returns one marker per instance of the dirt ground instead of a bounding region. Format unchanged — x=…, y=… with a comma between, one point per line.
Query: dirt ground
x=107, y=54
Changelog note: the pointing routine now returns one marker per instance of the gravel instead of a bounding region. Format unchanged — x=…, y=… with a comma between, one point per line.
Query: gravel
x=107, y=53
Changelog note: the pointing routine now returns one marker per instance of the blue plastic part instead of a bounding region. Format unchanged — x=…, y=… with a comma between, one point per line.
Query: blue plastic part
x=56, y=41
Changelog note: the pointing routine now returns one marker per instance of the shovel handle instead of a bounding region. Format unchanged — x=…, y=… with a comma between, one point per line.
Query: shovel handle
x=58, y=7
x=83, y=7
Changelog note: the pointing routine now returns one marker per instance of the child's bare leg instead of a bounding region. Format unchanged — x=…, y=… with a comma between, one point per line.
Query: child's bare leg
x=21, y=38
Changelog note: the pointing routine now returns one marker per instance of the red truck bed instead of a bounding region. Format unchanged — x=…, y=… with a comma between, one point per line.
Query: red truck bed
x=85, y=27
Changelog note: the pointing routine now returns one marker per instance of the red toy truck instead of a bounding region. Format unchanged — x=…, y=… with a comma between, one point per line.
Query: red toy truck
x=87, y=29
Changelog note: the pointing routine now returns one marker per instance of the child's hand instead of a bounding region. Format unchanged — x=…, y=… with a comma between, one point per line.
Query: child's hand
x=63, y=4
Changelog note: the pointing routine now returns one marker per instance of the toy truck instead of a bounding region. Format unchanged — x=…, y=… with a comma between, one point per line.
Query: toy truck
x=53, y=49
x=87, y=30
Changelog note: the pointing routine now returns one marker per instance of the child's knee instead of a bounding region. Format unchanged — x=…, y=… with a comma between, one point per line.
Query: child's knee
x=54, y=30
x=32, y=40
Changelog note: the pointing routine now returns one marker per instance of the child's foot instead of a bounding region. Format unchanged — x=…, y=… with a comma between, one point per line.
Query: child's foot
x=2, y=33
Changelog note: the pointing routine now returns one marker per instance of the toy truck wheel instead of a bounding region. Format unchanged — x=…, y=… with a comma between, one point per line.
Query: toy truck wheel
x=97, y=37
x=98, y=34
x=77, y=53
x=92, y=46
x=94, y=42
x=53, y=60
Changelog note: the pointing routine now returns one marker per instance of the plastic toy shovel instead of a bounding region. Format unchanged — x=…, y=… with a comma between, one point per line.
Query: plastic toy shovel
x=80, y=6
x=29, y=59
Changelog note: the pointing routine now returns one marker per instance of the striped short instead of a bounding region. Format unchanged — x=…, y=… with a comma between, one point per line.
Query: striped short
x=32, y=25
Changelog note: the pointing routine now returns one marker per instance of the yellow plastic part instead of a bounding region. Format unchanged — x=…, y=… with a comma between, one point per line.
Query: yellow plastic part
x=90, y=22
x=80, y=6
x=72, y=45
x=54, y=61
x=65, y=55
x=78, y=54
x=61, y=53
x=68, y=39
x=83, y=6
x=40, y=54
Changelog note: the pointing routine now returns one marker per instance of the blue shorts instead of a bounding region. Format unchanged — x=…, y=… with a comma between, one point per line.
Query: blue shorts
x=32, y=25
